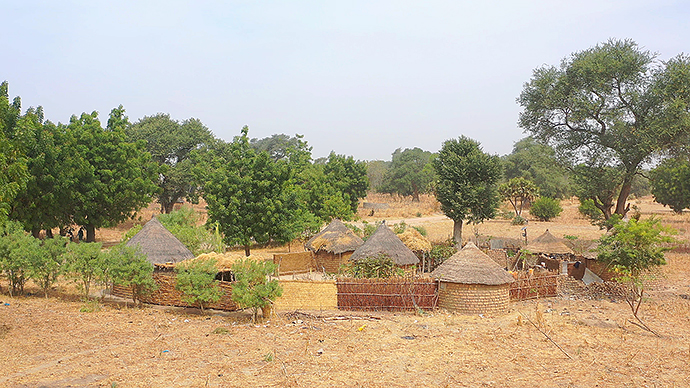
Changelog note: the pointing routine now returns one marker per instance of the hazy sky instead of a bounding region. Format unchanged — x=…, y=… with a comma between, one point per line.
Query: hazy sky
x=361, y=78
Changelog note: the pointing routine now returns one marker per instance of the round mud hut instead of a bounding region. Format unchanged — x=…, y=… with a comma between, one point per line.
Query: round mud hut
x=333, y=246
x=159, y=245
x=470, y=282
x=384, y=241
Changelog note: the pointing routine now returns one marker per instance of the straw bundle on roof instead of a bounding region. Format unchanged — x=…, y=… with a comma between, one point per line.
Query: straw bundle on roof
x=224, y=261
x=159, y=245
x=414, y=240
x=472, y=266
x=334, y=238
x=384, y=241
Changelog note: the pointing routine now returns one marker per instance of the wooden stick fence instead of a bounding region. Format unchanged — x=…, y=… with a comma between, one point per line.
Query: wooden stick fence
x=397, y=294
x=534, y=286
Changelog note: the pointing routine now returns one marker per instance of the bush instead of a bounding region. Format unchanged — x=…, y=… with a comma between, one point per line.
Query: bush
x=545, y=208
x=440, y=252
x=48, y=265
x=130, y=268
x=18, y=251
x=196, y=279
x=518, y=220
x=182, y=224
x=253, y=288
x=381, y=266
x=85, y=265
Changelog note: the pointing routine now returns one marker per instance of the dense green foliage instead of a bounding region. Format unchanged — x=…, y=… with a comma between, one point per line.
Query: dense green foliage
x=130, y=268
x=253, y=287
x=409, y=173
x=538, y=163
x=196, y=279
x=610, y=108
x=635, y=246
x=170, y=144
x=86, y=265
x=381, y=266
x=671, y=183
x=182, y=223
x=545, y=208
x=466, y=186
x=519, y=192
x=49, y=263
x=376, y=171
x=13, y=169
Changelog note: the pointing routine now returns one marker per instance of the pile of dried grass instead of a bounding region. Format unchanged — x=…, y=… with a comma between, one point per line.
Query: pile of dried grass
x=414, y=240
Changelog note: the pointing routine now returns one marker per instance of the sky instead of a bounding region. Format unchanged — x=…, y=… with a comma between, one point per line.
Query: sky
x=360, y=78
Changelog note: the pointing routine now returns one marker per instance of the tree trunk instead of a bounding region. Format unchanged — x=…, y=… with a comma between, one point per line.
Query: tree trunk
x=90, y=233
x=168, y=207
x=457, y=233
x=49, y=233
x=36, y=232
x=621, y=207
x=246, y=250
x=415, y=193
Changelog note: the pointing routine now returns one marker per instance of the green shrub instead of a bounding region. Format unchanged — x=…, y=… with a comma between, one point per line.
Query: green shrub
x=85, y=265
x=546, y=208
x=420, y=229
x=440, y=252
x=196, y=279
x=381, y=266
x=518, y=220
x=131, y=269
x=253, y=287
x=182, y=224
x=48, y=265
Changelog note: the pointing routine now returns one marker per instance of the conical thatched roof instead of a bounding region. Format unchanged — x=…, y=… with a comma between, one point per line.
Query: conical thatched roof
x=334, y=238
x=472, y=266
x=385, y=241
x=547, y=243
x=414, y=240
x=158, y=244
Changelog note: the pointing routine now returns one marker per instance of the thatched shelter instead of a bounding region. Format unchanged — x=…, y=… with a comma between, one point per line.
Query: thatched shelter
x=470, y=282
x=159, y=245
x=547, y=243
x=384, y=241
x=333, y=246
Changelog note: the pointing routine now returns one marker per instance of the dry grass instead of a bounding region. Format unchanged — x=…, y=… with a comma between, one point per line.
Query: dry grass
x=49, y=342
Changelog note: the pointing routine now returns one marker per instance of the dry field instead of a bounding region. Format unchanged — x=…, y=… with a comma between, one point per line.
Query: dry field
x=56, y=342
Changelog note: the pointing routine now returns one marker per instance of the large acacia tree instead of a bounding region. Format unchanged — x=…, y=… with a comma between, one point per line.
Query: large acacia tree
x=467, y=183
x=612, y=107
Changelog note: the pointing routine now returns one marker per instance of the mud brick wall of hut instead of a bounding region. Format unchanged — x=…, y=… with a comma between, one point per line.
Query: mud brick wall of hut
x=331, y=262
x=474, y=298
x=308, y=295
x=297, y=262
x=168, y=295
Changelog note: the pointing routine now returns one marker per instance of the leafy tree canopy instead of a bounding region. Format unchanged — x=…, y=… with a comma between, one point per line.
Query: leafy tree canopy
x=410, y=173
x=671, y=183
x=538, y=163
x=613, y=105
x=467, y=180
x=171, y=143
x=13, y=169
x=519, y=192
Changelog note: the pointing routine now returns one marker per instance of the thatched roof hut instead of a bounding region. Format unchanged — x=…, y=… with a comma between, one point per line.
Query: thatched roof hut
x=384, y=241
x=471, y=282
x=158, y=244
x=414, y=240
x=335, y=238
x=548, y=243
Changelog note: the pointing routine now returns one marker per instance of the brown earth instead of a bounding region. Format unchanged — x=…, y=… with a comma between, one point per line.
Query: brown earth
x=56, y=342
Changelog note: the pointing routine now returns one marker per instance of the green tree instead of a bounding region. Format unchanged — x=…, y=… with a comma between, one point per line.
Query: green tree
x=196, y=279
x=130, y=268
x=349, y=176
x=17, y=252
x=49, y=263
x=671, y=183
x=546, y=208
x=253, y=287
x=538, y=163
x=519, y=192
x=613, y=104
x=376, y=171
x=109, y=178
x=85, y=265
x=410, y=173
x=632, y=249
x=467, y=179
x=251, y=196
x=13, y=169
x=171, y=144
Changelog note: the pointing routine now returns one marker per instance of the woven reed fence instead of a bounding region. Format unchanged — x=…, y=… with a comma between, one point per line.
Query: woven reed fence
x=396, y=294
x=167, y=295
x=532, y=286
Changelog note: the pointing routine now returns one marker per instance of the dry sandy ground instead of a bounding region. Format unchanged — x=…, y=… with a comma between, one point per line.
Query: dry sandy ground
x=51, y=343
